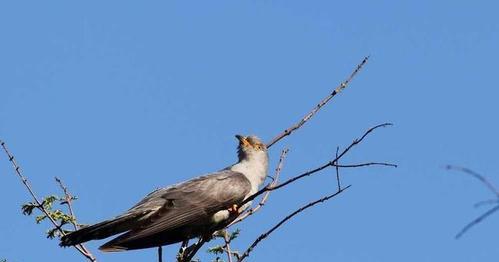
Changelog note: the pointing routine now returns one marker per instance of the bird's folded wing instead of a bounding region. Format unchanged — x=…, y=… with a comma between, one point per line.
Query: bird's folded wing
x=192, y=203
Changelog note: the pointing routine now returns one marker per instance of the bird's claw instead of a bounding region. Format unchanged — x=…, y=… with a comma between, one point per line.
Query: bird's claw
x=234, y=209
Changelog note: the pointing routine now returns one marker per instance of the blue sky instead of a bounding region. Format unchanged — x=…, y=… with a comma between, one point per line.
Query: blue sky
x=118, y=98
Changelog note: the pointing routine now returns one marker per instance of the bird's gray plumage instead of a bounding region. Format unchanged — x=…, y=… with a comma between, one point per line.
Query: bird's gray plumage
x=181, y=211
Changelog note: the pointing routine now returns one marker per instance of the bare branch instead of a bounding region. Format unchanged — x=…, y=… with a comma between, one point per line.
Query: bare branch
x=337, y=169
x=299, y=210
x=182, y=249
x=227, y=249
x=324, y=101
x=191, y=251
x=365, y=164
x=477, y=221
x=81, y=248
x=275, y=180
x=68, y=201
x=308, y=173
x=474, y=174
x=489, y=186
x=486, y=202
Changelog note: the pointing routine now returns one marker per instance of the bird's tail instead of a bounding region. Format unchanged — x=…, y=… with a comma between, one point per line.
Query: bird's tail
x=101, y=230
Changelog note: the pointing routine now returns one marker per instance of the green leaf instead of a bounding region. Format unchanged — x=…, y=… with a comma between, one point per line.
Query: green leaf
x=52, y=233
x=40, y=218
x=234, y=234
x=49, y=200
x=216, y=250
x=28, y=208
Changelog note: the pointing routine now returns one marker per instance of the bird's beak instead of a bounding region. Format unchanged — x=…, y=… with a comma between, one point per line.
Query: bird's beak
x=242, y=140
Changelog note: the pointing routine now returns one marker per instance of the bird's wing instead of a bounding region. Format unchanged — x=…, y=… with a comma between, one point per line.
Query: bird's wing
x=190, y=203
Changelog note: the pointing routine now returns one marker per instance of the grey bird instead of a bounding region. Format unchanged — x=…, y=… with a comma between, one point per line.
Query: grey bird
x=186, y=210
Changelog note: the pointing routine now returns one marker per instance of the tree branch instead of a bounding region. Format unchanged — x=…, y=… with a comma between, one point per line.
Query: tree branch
x=299, y=210
x=81, y=248
x=489, y=186
x=337, y=168
x=275, y=180
x=227, y=249
x=191, y=251
x=486, y=202
x=68, y=201
x=323, y=102
x=365, y=164
x=477, y=221
x=308, y=173
x=474, y=174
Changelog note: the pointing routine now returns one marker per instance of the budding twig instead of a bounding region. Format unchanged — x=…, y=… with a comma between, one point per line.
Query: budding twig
x=81, y=248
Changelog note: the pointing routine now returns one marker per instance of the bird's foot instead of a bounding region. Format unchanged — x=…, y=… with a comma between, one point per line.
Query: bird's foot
x=234, y=209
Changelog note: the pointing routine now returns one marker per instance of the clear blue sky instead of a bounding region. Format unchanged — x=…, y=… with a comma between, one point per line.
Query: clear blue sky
x=118, y=98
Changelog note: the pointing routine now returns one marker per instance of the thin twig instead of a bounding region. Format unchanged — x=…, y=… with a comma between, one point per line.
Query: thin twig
x=299, y=210
x=68, y=201
x=486, y=202
x=474, y=174
x=275, y=180
x=308, y=173
x=227, y=246
x=183, y=247
x=324, y=101
x=366, y=164
x=39, y=205
x=477, y=221
x=489, y=186
x=191, y=251
x=337, y=169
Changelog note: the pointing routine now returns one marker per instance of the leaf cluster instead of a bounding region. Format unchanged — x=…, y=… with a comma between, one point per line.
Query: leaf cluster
x=47, y=208
x=220, y=249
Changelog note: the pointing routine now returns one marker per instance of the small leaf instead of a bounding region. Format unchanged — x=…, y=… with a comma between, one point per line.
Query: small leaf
x=52, y=233
x=40, y=218
x=28, y=208
x=49, y=200
x=234, y=234
x=219, y=234
x=216, y=250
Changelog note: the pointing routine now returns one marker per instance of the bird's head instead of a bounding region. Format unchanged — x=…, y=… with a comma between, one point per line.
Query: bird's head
x=251, y=147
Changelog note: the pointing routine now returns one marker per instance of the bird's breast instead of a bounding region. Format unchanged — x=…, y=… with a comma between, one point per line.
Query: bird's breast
x=220, y=216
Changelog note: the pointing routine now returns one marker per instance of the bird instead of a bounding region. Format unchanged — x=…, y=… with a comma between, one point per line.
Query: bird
x=194, y=208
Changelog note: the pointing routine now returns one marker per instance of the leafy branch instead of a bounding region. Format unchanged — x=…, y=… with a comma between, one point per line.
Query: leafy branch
x=57, y=217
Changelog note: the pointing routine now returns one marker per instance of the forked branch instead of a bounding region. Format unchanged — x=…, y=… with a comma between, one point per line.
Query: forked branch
x=191, y=250
x=333, y=162
x=291, y=215
x=81, y=248
x=490, y=187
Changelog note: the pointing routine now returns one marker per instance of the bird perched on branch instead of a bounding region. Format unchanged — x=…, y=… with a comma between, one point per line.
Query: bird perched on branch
x=186, y=210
